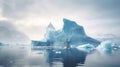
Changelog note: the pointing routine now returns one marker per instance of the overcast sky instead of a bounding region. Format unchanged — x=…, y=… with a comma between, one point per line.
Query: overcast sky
x=32, y=16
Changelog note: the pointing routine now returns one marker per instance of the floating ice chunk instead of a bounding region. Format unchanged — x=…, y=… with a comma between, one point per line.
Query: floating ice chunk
x=105, y=47
x=115, y=47
x=86, y=47
x=119, y=46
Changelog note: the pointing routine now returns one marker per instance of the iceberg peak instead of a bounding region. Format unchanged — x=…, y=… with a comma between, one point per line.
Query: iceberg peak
x=50, y=27
x=71, y=27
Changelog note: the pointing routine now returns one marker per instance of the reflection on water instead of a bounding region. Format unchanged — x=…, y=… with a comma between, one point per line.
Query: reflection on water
x=68, y=57
x=17, y=57
x=64, y=58
x=21, y=57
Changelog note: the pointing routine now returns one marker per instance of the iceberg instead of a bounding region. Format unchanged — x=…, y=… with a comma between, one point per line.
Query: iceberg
x=76, y=34
x=105, y=47
x=71, y=36
x=49, y=32
x=71, y=32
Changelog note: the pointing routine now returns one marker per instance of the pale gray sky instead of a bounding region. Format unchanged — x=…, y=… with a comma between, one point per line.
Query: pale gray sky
x=32, y=16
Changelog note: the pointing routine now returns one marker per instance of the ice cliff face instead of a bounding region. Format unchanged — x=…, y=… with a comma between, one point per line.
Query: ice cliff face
x=71, y=27
x=71, y=32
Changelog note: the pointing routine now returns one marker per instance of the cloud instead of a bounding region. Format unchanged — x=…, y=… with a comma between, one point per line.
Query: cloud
x=14, y=8
x=99, y=9
x=10, y=34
